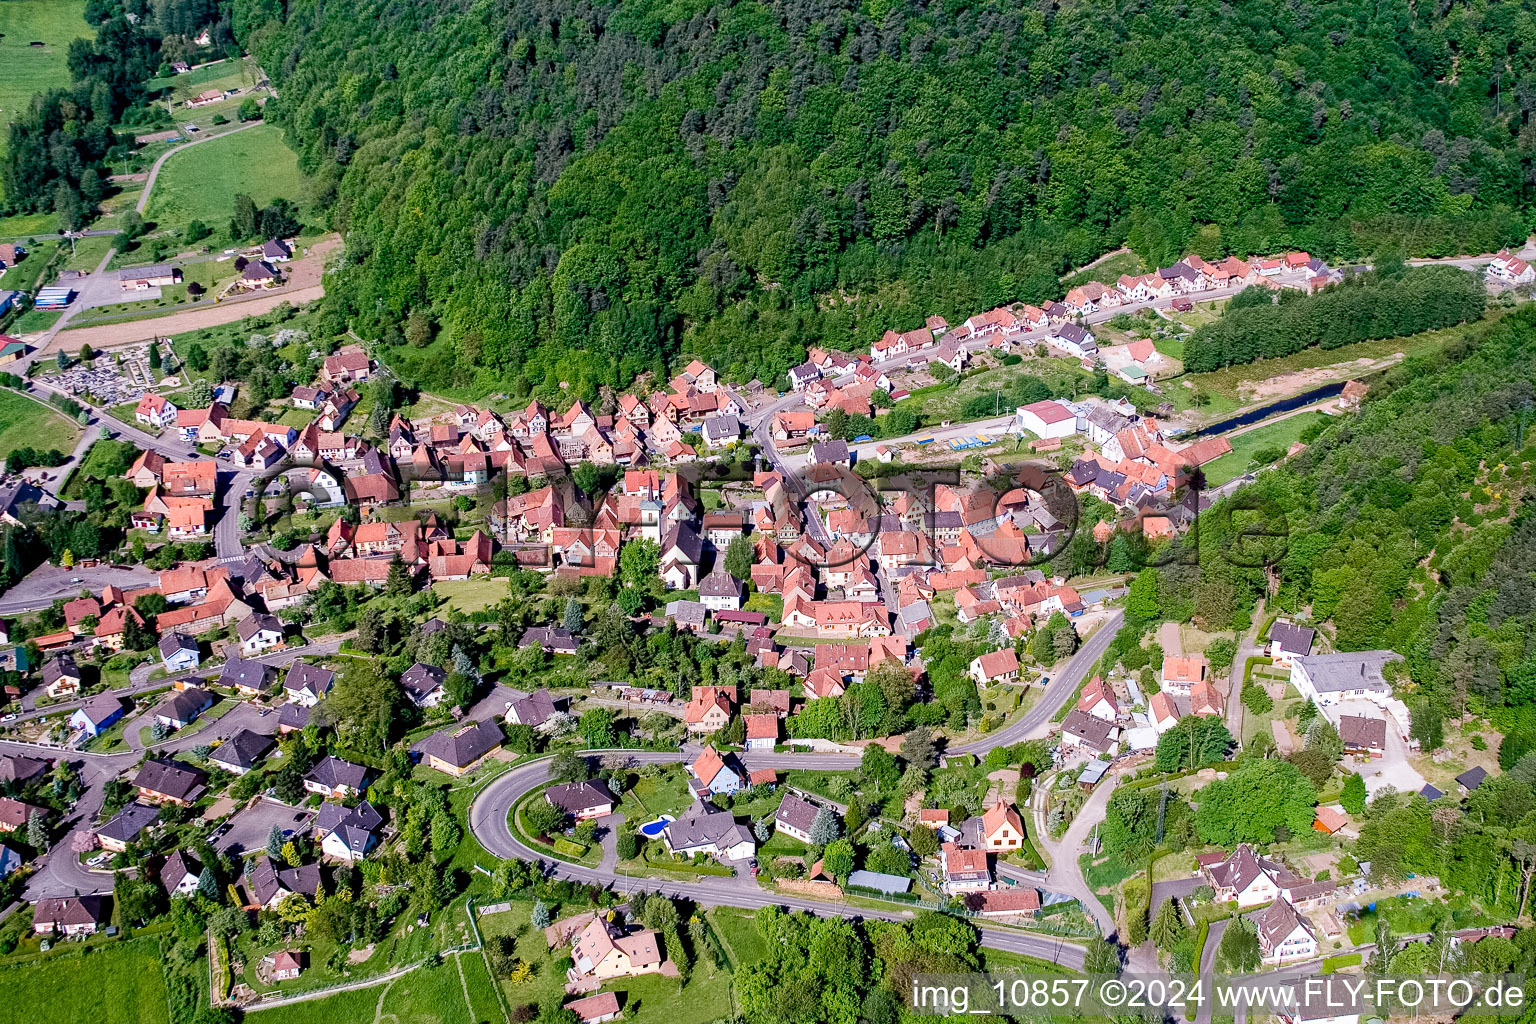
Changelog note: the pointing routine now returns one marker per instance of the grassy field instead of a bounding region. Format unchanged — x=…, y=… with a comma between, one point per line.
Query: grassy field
x=1107, y=272
x=472, y=595
x=25, y=225
x=25, y=422
x=32, y=69
x=220, y=73
x=201, y=183
x=744, y=944
x=1227, y=387
x=1280, y=434
x=69, y=988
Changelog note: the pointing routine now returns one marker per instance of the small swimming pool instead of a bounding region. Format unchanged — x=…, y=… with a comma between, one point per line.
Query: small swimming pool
x=653, y=829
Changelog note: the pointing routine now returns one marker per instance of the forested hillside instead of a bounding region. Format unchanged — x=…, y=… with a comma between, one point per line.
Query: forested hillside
x=1410, y=527
x=578, y=191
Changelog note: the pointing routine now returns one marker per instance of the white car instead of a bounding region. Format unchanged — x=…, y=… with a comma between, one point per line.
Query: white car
x=8, y=718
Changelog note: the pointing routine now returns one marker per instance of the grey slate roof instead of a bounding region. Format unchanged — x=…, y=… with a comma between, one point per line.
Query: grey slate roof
x=170, y=778
x=333, y=772
x=419, y=681
x=465, y=745
x=1293, y=639
x=242, y=750
x=1360, y=670
x=576, y=797
x=126, y=825
x=534, y=709
x=251, y=674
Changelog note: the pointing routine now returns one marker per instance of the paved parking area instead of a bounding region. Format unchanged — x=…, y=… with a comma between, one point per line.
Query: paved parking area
x=248, y=829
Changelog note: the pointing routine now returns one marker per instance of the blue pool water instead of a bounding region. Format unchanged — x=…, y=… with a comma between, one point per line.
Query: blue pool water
x=652, y=829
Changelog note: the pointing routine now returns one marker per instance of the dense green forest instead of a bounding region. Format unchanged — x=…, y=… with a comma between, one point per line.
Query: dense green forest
x=59, y=145
x=580, y=191
x=1407, y=527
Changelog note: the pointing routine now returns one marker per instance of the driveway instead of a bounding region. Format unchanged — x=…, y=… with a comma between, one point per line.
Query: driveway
x=243, y=716
x=1174, y=888
x=248, y=829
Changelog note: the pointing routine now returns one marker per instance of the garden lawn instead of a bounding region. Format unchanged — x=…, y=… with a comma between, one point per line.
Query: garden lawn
x=667, y=793
x=1280, y=435
x=25, y=422
x=744, y=944
x=119, y=983
x=33, y=69
x=472, y=595
x=201, y=183
x=34, y=320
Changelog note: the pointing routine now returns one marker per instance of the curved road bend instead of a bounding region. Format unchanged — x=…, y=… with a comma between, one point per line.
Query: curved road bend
x=488, y=821
x=1062, y=688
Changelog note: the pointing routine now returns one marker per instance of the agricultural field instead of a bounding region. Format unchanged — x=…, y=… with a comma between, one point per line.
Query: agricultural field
x=27, y=423
x=67, y=988
x=32, y=69
x=201, y=183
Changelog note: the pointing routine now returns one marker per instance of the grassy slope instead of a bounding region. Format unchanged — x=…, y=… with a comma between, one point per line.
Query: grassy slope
x=28, y=69
x=202, y=182
x=25, y=422
x=113, y=984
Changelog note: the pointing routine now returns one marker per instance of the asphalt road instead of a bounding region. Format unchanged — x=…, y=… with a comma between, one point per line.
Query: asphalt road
x=1061, y=689
x=488, y=820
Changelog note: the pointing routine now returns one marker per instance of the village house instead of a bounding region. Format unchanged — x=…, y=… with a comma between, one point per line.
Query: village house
x=155, y=411
x=1510, y=270
x=69, y=915
x=706, y=829
x=1327, y=679
x=762, y=731
x=457, y=752
x=182, y=707
x=169, y=782
x=1098, y=700
x=1083, y=732
x=795, y=817
x=1287, y=641
x=1284, y=934
x=713, y=774
x=964, y=870
x=333, y=777
x=305, y=684
x=1002, y=830
x=347, y=834
x=996, y=667
x=582, y=800
x=241, y=752
x=604, y=951
x=1181, y=673
x=268, y=885
x=709, y=709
